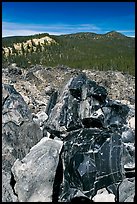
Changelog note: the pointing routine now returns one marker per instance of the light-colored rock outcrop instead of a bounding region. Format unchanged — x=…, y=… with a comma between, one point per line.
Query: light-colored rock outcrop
x=35, y=173
x=29, y=43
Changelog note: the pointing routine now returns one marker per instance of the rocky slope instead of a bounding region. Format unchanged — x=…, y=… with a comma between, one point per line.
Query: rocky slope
x=66, y=137
x=38, y=83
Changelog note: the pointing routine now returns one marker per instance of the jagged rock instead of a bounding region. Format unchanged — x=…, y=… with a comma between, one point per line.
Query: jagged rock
x=83, y=103
x=76, y=85
x=19, y=132
x=119, y=85
x=127, y=190
x=34, y=174
x=14, y=107
x=59, y=110
x=98, y=134
x=97, y=139
x=93, y=161
x=51, y=102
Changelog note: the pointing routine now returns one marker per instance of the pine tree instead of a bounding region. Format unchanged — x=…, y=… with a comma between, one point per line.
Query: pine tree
x=22, y=49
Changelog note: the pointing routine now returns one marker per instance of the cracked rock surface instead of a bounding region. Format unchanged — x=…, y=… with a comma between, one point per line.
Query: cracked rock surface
x=77, y=144
x=19, y=134
x=35, y=173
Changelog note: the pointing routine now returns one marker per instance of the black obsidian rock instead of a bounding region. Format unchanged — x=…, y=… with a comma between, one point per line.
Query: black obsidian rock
x=75, y=87
x=52, y=102
x=83, y=103
x=97, y=141
x=93, y=161
x=98, y=150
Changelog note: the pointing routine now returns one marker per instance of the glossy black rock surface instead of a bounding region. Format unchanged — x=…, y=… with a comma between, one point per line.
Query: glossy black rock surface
x=92, y=160
x=97, y=140
x=98, y=150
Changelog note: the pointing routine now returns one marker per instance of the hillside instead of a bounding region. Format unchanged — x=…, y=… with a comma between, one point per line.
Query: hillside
x=56, y=117
x=110, y=51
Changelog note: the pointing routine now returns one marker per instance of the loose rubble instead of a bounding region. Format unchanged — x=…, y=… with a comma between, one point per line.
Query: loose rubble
x=67, y=138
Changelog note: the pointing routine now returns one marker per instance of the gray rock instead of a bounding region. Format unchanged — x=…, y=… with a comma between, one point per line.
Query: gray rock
x=7, y=191
x=40, y=117
x=14, y=107
x=98, y=137
x=19, y=133
x=128, y=136
x=127, y=190
x=34, y=174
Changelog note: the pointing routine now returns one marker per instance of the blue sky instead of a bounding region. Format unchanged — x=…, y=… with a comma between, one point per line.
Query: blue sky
x=27, y=18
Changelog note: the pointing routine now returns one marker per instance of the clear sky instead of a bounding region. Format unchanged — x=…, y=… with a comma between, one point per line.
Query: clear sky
x=26, y=18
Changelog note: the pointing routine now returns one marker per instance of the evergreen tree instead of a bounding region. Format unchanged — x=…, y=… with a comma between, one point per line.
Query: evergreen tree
x=22, y=49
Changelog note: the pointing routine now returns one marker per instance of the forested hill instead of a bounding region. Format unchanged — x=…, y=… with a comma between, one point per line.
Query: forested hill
x=110, y=51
